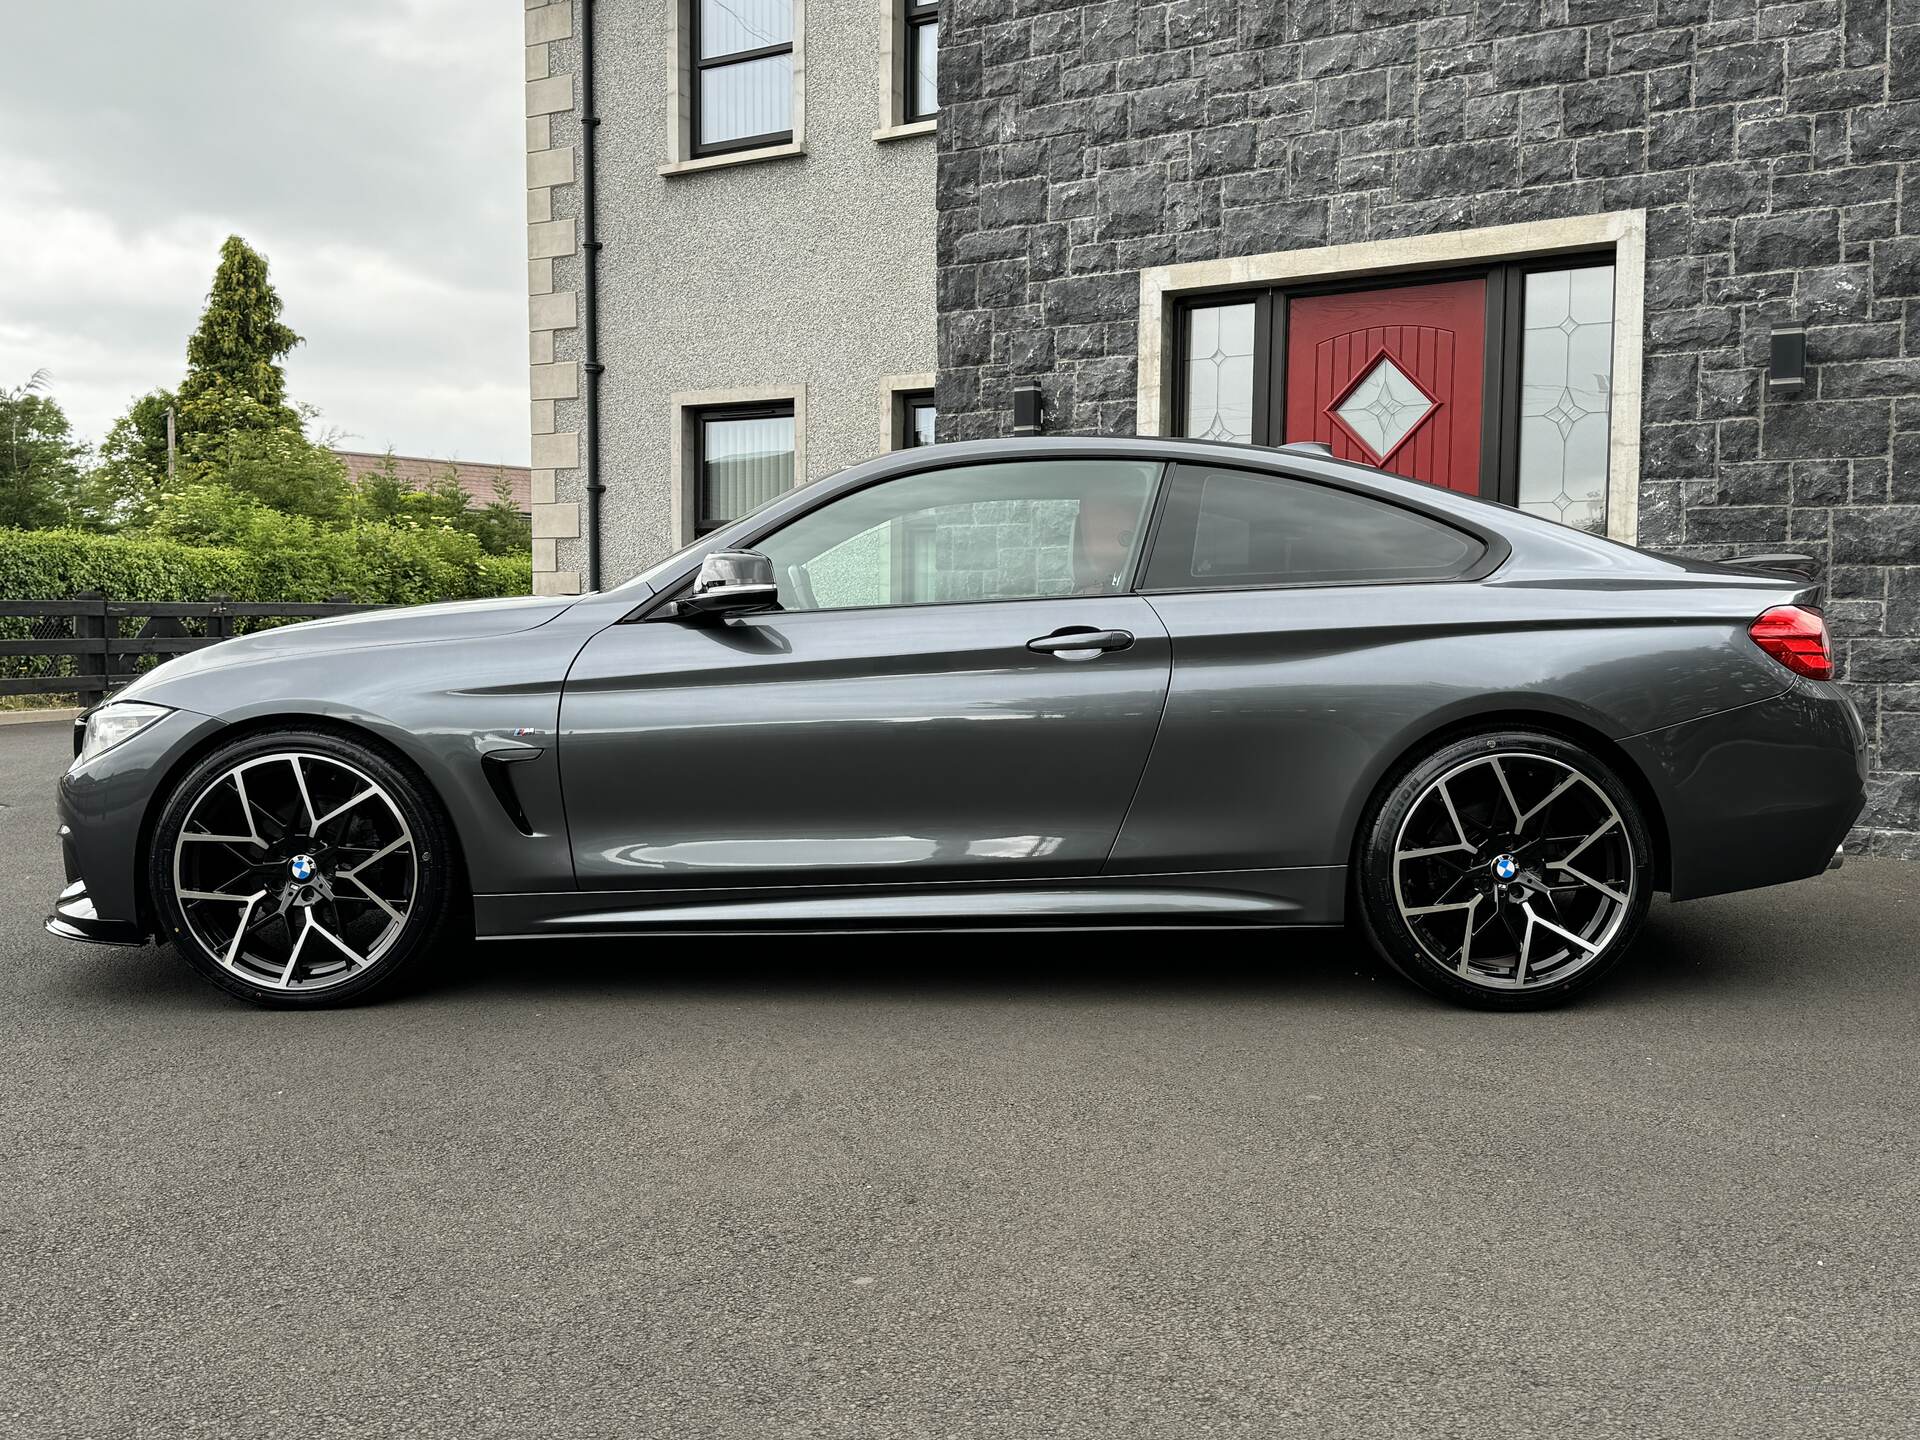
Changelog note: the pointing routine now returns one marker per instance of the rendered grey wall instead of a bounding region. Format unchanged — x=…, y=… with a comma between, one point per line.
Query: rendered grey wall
x=815, y=270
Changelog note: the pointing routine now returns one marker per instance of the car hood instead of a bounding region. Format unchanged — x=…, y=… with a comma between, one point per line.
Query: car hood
x=405, y=625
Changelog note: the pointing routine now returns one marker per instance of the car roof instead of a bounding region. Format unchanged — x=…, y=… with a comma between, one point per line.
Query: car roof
x=1308, y=460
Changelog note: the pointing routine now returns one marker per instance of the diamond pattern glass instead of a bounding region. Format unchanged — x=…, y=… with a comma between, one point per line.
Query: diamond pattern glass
x=1220, y=373
x=1384, y=407
x=1566, y=394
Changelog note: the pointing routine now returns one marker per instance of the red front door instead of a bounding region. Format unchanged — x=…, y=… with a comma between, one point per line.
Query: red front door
x=1392, y=377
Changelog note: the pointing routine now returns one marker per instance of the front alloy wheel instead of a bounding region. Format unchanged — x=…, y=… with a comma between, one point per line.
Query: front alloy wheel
x=1507, y=870
x=300, y=869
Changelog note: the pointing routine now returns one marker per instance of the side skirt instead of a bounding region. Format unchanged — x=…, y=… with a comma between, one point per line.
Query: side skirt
x=1314, y=896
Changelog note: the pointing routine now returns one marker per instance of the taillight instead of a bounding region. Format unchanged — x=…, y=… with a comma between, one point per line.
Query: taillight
x=1797, y=638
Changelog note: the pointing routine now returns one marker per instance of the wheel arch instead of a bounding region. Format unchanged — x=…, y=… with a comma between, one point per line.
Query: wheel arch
x=239, y=730
x=1580, y=732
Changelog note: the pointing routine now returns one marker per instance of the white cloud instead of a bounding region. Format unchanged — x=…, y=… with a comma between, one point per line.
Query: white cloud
x=371, y=150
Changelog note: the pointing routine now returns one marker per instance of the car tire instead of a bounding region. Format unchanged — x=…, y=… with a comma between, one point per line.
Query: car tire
x=1507, y=870
x=302, y=868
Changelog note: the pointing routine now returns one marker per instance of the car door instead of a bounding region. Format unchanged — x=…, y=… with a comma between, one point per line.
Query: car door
x=958, y=686
x=1311, y=625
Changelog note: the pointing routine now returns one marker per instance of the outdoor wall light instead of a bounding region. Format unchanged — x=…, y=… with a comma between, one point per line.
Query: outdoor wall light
x=1786, y=359
x=1026, y=408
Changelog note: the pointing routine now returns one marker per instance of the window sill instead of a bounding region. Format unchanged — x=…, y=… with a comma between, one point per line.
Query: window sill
x=907, y=131
x=734, y=157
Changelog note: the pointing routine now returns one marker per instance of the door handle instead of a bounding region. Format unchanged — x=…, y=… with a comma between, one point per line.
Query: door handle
x=1081, y=643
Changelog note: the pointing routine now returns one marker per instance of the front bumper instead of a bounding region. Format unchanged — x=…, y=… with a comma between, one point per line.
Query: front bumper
x=104, y=807
x=74, y=918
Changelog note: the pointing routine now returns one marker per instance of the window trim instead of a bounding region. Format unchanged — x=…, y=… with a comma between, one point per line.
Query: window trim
x=897, y=119
x=696, y=147
x=689, y=408
x=685, y=154
x=914, y=16
x=905, y=402
x=1164, y=287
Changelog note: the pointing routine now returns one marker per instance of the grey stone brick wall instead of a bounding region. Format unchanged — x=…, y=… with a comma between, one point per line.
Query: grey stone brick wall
x=1774, y=146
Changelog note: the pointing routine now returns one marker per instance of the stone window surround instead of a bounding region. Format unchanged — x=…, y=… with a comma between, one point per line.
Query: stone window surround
x=892, y=387
x=686, y=405
x=1625, y=231
x=680, y=118
x=893, y=86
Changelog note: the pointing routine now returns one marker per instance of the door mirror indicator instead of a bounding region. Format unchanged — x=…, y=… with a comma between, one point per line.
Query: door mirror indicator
x=732, y=582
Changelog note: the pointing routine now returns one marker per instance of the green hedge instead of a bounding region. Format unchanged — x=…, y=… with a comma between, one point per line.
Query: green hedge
x=374, y=564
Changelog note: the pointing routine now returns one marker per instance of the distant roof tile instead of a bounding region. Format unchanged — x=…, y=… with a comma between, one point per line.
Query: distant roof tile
x=477, y=480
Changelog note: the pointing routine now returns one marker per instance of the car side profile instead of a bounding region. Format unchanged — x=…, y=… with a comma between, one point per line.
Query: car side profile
x=1040, y=682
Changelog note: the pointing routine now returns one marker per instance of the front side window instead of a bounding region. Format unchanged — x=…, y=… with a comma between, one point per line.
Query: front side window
x=1227, y=529
x=742, y=74
x=921, y=82
x=743, y=457
x=1013, y=531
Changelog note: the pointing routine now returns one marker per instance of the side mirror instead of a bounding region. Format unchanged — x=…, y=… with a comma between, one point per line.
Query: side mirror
x=732, y=582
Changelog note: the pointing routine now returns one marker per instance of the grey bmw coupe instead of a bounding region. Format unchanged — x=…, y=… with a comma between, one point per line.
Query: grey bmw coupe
x=1076, y=683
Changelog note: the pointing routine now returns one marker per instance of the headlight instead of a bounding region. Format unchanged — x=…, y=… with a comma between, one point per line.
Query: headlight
x=111, y=724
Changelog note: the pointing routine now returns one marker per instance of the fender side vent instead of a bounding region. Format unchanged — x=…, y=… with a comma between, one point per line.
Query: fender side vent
x=499, y=773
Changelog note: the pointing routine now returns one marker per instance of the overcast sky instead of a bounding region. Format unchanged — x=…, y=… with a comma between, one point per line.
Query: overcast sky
x=372, y=149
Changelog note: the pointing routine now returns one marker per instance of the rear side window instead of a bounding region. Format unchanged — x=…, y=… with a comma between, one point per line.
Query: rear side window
x=1229, y=528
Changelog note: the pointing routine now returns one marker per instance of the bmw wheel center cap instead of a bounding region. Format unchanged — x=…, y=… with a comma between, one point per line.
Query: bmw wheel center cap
x=302, y=868
x=1503, y=866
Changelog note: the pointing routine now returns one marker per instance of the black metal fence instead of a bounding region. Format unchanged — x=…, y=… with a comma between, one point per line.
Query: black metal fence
x=89, y=645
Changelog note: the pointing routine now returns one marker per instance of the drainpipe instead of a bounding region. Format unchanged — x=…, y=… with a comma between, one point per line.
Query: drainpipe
x=590, y=294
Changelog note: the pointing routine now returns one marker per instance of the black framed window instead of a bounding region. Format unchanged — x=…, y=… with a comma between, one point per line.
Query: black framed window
x=1224, y=529
x=742, y=458
x=1547, y=384
x=742, y=73
x=913, y=417
x=920, y=59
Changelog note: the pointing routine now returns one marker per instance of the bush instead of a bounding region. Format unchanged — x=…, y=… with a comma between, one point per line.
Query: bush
x=287, y=559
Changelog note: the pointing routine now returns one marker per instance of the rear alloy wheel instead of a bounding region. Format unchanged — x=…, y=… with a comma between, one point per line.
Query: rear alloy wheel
x=300, y=869
x=1507, y=870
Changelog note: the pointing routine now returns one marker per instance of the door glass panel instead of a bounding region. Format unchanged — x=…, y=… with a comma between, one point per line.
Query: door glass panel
x=754, y=97
x=1219, y=400
x=1566, y=395
x=744, y=462
x=1231, y=528
x=1013, y=531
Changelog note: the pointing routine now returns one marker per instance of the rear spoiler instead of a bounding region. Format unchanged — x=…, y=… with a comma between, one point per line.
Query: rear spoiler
x=1785, y=562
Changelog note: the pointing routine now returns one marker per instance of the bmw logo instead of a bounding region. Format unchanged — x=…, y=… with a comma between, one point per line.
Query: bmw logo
x=1504, y=867
x=302, y=868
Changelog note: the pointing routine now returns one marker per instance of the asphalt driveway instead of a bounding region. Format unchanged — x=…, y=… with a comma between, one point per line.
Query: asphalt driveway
x=900, y=1187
